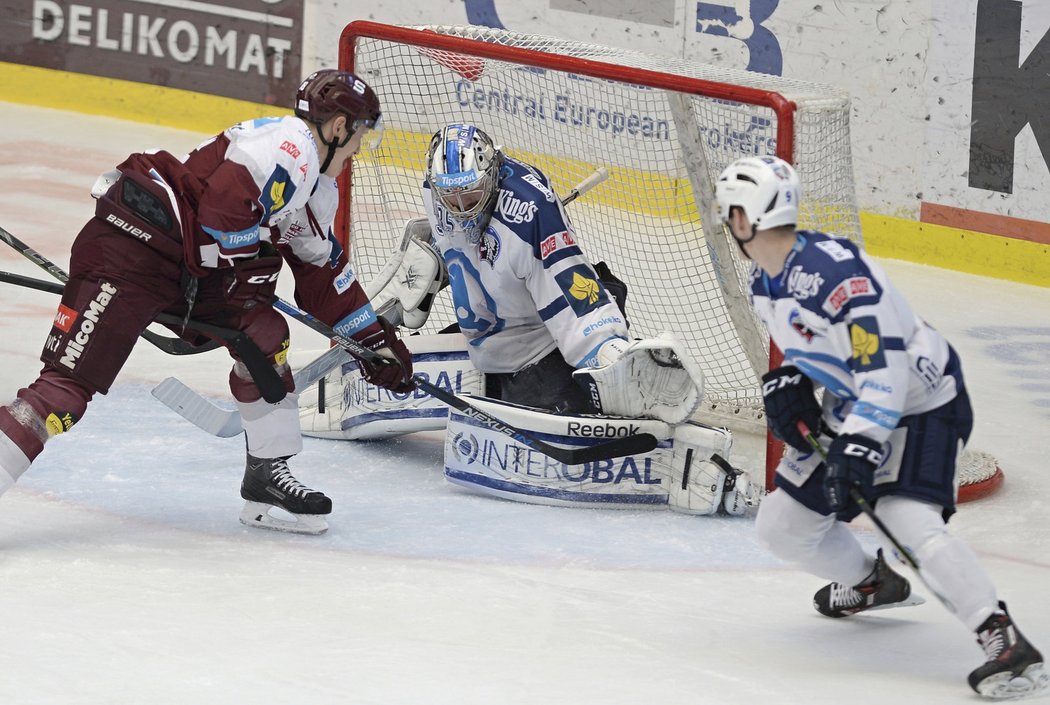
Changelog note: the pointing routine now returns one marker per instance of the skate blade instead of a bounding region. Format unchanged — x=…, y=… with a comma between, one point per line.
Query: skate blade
x=1034, y=682
x=257, y=514
x=911, y=600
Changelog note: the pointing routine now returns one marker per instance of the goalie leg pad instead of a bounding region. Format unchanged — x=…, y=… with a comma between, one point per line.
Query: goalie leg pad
x=486, y=461
x=702, y=481
x=344, y=406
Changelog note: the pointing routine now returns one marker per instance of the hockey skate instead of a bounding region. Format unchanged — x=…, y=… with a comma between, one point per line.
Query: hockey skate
x=1014, y=668
x=269, y=484
x=880, y=590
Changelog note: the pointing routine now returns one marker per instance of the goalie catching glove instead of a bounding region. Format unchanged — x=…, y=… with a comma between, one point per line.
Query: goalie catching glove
x=653, y=378
x=397, y=377
x=421, y=274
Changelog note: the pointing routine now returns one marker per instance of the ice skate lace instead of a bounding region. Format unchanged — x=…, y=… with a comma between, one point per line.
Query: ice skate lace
x=993, y=641
x=844, y=596
x=286, y=482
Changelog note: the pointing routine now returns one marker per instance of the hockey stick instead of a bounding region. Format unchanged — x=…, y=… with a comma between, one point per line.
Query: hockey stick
x=224, y=423
x=172, y=346
x=856, y=495
x=212, y=418
x=263, y=373
x=631, y=445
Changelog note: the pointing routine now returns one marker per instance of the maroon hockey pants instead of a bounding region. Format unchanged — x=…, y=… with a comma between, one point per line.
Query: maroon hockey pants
x=117, y=285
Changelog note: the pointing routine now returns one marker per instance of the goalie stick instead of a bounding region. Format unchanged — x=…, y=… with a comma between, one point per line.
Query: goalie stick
x=172, y=346
x=630, y=445
x=224, y=423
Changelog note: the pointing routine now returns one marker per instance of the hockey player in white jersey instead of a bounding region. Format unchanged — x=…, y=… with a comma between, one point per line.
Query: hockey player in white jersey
x=894, y=415
x=538, y=316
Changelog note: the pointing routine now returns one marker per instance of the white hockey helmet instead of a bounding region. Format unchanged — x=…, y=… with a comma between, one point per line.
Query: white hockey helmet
x=463, y=165
x=767, y=188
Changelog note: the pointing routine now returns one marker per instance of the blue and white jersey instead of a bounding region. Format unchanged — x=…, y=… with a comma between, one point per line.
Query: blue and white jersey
x=523, y=287
x=836, y=317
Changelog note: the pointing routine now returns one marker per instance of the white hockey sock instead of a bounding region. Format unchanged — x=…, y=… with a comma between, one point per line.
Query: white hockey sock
x=272, y=430
x=13, y=462
x=817, y=544
x=949, y=566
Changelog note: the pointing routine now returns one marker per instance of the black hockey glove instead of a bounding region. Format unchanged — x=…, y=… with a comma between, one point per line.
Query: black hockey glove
x=254, y=281
x=851, y=462
x=397, y=376
x=789, y=398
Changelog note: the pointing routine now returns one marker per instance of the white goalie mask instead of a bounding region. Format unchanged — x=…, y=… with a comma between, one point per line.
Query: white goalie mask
x=767, y=188
x=463, y=167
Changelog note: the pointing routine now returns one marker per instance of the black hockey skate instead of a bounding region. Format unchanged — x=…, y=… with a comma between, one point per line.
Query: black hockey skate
x=268, y=483
x=883, y=588
x=1014, y=668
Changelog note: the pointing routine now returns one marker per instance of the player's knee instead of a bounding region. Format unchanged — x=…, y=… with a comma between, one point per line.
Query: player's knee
x=788, y=530
x=916, y=524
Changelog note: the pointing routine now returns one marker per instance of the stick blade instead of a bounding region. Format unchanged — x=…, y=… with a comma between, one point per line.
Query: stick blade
x=202, y=413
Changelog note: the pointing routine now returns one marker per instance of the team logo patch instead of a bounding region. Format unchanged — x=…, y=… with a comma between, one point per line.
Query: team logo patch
x=581, y=289
x=489, y=247
x=795, y=320
x=867, y=344
x=277, y=191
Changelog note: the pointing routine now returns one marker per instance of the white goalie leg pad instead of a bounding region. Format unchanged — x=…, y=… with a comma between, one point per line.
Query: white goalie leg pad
x=344, y=406
x=653, y=378
x=272, y=430
x=702, y=480
x=418, y=278
x=489, y=462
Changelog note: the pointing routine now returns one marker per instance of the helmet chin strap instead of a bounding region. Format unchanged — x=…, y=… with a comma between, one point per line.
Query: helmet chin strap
x=740, y=243
x=332, y=145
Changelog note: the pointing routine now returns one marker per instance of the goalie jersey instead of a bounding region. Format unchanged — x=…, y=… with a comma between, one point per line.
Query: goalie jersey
x=837, y=318
x=523, y=287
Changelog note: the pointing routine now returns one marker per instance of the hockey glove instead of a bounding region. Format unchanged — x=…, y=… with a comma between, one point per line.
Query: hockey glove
x=396, y=376
x=789, y=398
x=851, y=462
x=254, y=281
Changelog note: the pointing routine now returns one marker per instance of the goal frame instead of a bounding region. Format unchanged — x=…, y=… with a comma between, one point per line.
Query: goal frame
x=781, y=106
x=776, y=102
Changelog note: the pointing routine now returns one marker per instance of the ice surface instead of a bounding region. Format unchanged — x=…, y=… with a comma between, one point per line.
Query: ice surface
x=126, y=578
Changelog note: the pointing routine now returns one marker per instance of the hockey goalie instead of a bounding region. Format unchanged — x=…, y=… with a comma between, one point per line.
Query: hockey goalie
x=541, y=342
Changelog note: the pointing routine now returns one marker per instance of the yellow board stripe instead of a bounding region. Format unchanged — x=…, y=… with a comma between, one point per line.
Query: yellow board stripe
x=884, y=236
x=156, y=105
x=953, y=248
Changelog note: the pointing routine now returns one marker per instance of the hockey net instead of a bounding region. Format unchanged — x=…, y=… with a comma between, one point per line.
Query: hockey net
x=662, y=127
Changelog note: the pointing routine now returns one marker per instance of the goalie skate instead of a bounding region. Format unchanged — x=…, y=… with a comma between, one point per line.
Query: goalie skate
x=881, y=590
x=269, y=486
x=1014, y=668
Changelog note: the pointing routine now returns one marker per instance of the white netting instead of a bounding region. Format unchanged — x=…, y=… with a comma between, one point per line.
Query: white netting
x=562, y=111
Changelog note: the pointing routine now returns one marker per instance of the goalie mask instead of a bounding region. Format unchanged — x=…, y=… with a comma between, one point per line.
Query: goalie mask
x=463, y=167
x=766, y=188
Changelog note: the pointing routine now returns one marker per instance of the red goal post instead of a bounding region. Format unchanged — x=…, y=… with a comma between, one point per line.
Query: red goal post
x=663, y=128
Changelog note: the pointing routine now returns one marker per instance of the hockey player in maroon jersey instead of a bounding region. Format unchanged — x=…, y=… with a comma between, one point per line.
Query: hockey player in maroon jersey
x=204, y=238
